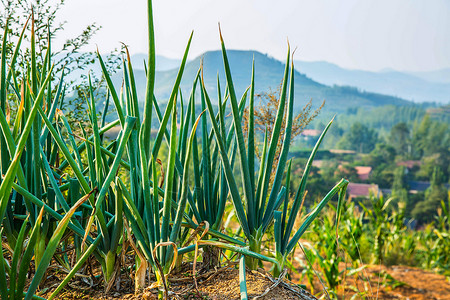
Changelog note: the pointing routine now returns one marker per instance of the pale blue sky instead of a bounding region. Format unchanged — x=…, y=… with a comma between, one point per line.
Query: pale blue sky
x=359, y=34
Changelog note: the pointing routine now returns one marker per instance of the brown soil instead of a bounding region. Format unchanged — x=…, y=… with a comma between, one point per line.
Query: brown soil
x=219, y=284
x=396, y=282
x=224, y=284
x=374, y=282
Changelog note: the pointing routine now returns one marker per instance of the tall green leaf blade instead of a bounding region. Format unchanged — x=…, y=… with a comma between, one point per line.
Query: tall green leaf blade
x=6, y=185
x=16, y=256
x=272, y=150
x=112, y=90
x=240, y=140
x=227, y=168
x=51, y=248
x=151, y=69
x=302, y=187
x=284, y=153
x=251, y=131
x=4, y=156
x=26, y=258
x=277, y=232
x=207, y=198
x=342, y=185
x=135, y=100
x=167, y=206
x=165, y=120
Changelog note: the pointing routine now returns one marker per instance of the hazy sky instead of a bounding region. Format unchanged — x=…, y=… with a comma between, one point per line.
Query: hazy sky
x=360, y=34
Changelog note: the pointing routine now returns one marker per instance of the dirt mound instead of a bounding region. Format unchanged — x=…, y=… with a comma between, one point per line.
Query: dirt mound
x=223, y=284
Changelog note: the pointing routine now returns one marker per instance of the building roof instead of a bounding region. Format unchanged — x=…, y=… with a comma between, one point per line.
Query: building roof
x=362, y=189
x=363, y=172
x=341, y=151
x=311, y=132
x=318, y=163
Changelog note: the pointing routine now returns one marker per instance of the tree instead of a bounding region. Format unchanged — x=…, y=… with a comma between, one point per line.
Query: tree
x=266, y=112
x=46, y=28
x=400, y=138
x=359, y=138
x=382, y=154
x=430, y=137
x=70, y=59
x=399, y=188
x=425, y=211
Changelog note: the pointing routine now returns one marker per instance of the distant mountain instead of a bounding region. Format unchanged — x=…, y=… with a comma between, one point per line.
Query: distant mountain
x=269, y=73
x=162, y=63
x=439, y=76
x=417, y=87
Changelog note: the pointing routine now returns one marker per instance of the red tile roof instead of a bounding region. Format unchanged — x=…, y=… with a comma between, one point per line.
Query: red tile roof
x=311, y=132
x=363, y=172
x=362, y=189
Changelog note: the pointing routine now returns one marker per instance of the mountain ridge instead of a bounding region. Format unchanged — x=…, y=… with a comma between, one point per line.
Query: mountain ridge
x=413, y=86
x=429, y=86
x=268, y=77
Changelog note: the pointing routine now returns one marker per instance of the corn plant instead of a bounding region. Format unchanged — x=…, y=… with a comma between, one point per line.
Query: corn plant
x=326, y=251
x=283, y=226
x=434, y=243
x=378, y=218
x=353, y=229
